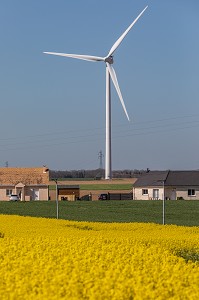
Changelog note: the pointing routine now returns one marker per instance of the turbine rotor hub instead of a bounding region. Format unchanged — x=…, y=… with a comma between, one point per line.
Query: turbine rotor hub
x=109, y=59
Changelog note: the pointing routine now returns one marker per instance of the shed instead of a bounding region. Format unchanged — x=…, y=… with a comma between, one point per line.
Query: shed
x=65, y=192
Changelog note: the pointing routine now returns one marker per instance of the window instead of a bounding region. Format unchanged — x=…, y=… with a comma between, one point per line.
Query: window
x=191, y=192
x=8, y=192
x=145, y=192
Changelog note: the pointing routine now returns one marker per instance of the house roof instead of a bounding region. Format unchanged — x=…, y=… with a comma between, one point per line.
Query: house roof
x=170, y=178
x=25, y=176
x=183, y=178
x=152, y=178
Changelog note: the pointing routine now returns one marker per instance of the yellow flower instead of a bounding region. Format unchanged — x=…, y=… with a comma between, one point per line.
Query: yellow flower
x=57, y=259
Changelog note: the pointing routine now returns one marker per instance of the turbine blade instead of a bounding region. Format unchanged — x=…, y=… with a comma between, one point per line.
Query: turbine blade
x=82, y=57
x=118, y=42
x=115, y=82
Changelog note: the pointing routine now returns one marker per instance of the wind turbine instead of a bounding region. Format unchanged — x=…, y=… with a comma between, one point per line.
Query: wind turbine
x=110, y=73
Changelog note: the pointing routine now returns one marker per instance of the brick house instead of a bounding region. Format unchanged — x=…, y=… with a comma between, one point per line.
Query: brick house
x=28, y=183
x=171, y=185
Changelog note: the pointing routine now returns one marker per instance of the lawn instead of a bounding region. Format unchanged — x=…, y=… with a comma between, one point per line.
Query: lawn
x=179, y=212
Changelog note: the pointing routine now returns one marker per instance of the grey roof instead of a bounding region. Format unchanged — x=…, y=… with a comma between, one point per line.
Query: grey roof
x=152, y=178
x=183, y=178
x=62, y=186
x=170, y=178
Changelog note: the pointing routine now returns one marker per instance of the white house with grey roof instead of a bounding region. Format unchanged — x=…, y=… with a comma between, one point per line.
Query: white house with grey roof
x=171, y=185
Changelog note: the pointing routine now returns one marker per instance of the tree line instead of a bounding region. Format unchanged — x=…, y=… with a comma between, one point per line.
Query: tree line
x=95, y=174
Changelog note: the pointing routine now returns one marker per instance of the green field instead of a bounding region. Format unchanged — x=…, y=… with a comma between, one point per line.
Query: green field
x=100, y=187
x=177, y=212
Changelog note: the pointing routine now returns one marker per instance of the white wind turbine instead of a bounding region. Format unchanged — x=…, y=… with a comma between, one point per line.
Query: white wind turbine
x=110, y=72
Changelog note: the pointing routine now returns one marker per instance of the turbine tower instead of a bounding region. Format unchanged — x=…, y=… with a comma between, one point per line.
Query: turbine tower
x=110, y=73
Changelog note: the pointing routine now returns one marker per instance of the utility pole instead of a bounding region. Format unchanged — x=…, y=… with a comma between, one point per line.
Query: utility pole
x=163, y=208
x=57, y=203
x=163, y=201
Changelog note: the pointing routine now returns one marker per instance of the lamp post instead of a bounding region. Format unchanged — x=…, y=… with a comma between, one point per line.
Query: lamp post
x=163, y=208
x=163, y=201
x=57, y=203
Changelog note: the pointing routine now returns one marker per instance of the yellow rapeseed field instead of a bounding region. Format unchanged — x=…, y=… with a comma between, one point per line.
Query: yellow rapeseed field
x=57, y=259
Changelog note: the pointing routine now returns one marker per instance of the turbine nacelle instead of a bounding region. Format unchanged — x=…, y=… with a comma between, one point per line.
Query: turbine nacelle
x=109, y=59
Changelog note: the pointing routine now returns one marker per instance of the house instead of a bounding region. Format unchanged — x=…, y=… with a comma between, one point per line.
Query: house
x=170, y=185
x=27, y=183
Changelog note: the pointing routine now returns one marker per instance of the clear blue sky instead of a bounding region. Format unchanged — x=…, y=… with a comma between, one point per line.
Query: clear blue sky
x=53, y=109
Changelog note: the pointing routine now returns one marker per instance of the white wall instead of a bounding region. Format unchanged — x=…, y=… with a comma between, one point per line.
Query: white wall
x=138, y=195
x=170, y=193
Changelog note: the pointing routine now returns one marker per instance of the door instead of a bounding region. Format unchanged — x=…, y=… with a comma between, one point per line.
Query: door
x=173, y=194
x=19, y=193
x=35, y=194
x=155, y=194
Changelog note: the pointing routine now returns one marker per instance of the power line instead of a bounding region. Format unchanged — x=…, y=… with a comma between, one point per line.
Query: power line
x=133, y=124
x=161, y=128
x=100, y=156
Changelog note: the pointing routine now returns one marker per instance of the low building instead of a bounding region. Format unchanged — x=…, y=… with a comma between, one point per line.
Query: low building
x=170, y=185
x=28, y=183
x=65, y=192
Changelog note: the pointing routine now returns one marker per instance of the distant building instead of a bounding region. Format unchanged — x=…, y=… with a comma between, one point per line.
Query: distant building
x=171, y=185
x=28, y=183
x=65, y=192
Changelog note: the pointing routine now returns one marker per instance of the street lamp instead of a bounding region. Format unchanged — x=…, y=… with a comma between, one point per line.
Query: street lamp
x=163, y=208
x=57, y=203
x=163, y=202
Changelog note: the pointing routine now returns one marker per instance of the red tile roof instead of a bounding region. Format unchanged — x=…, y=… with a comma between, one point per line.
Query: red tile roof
x=27, y=176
